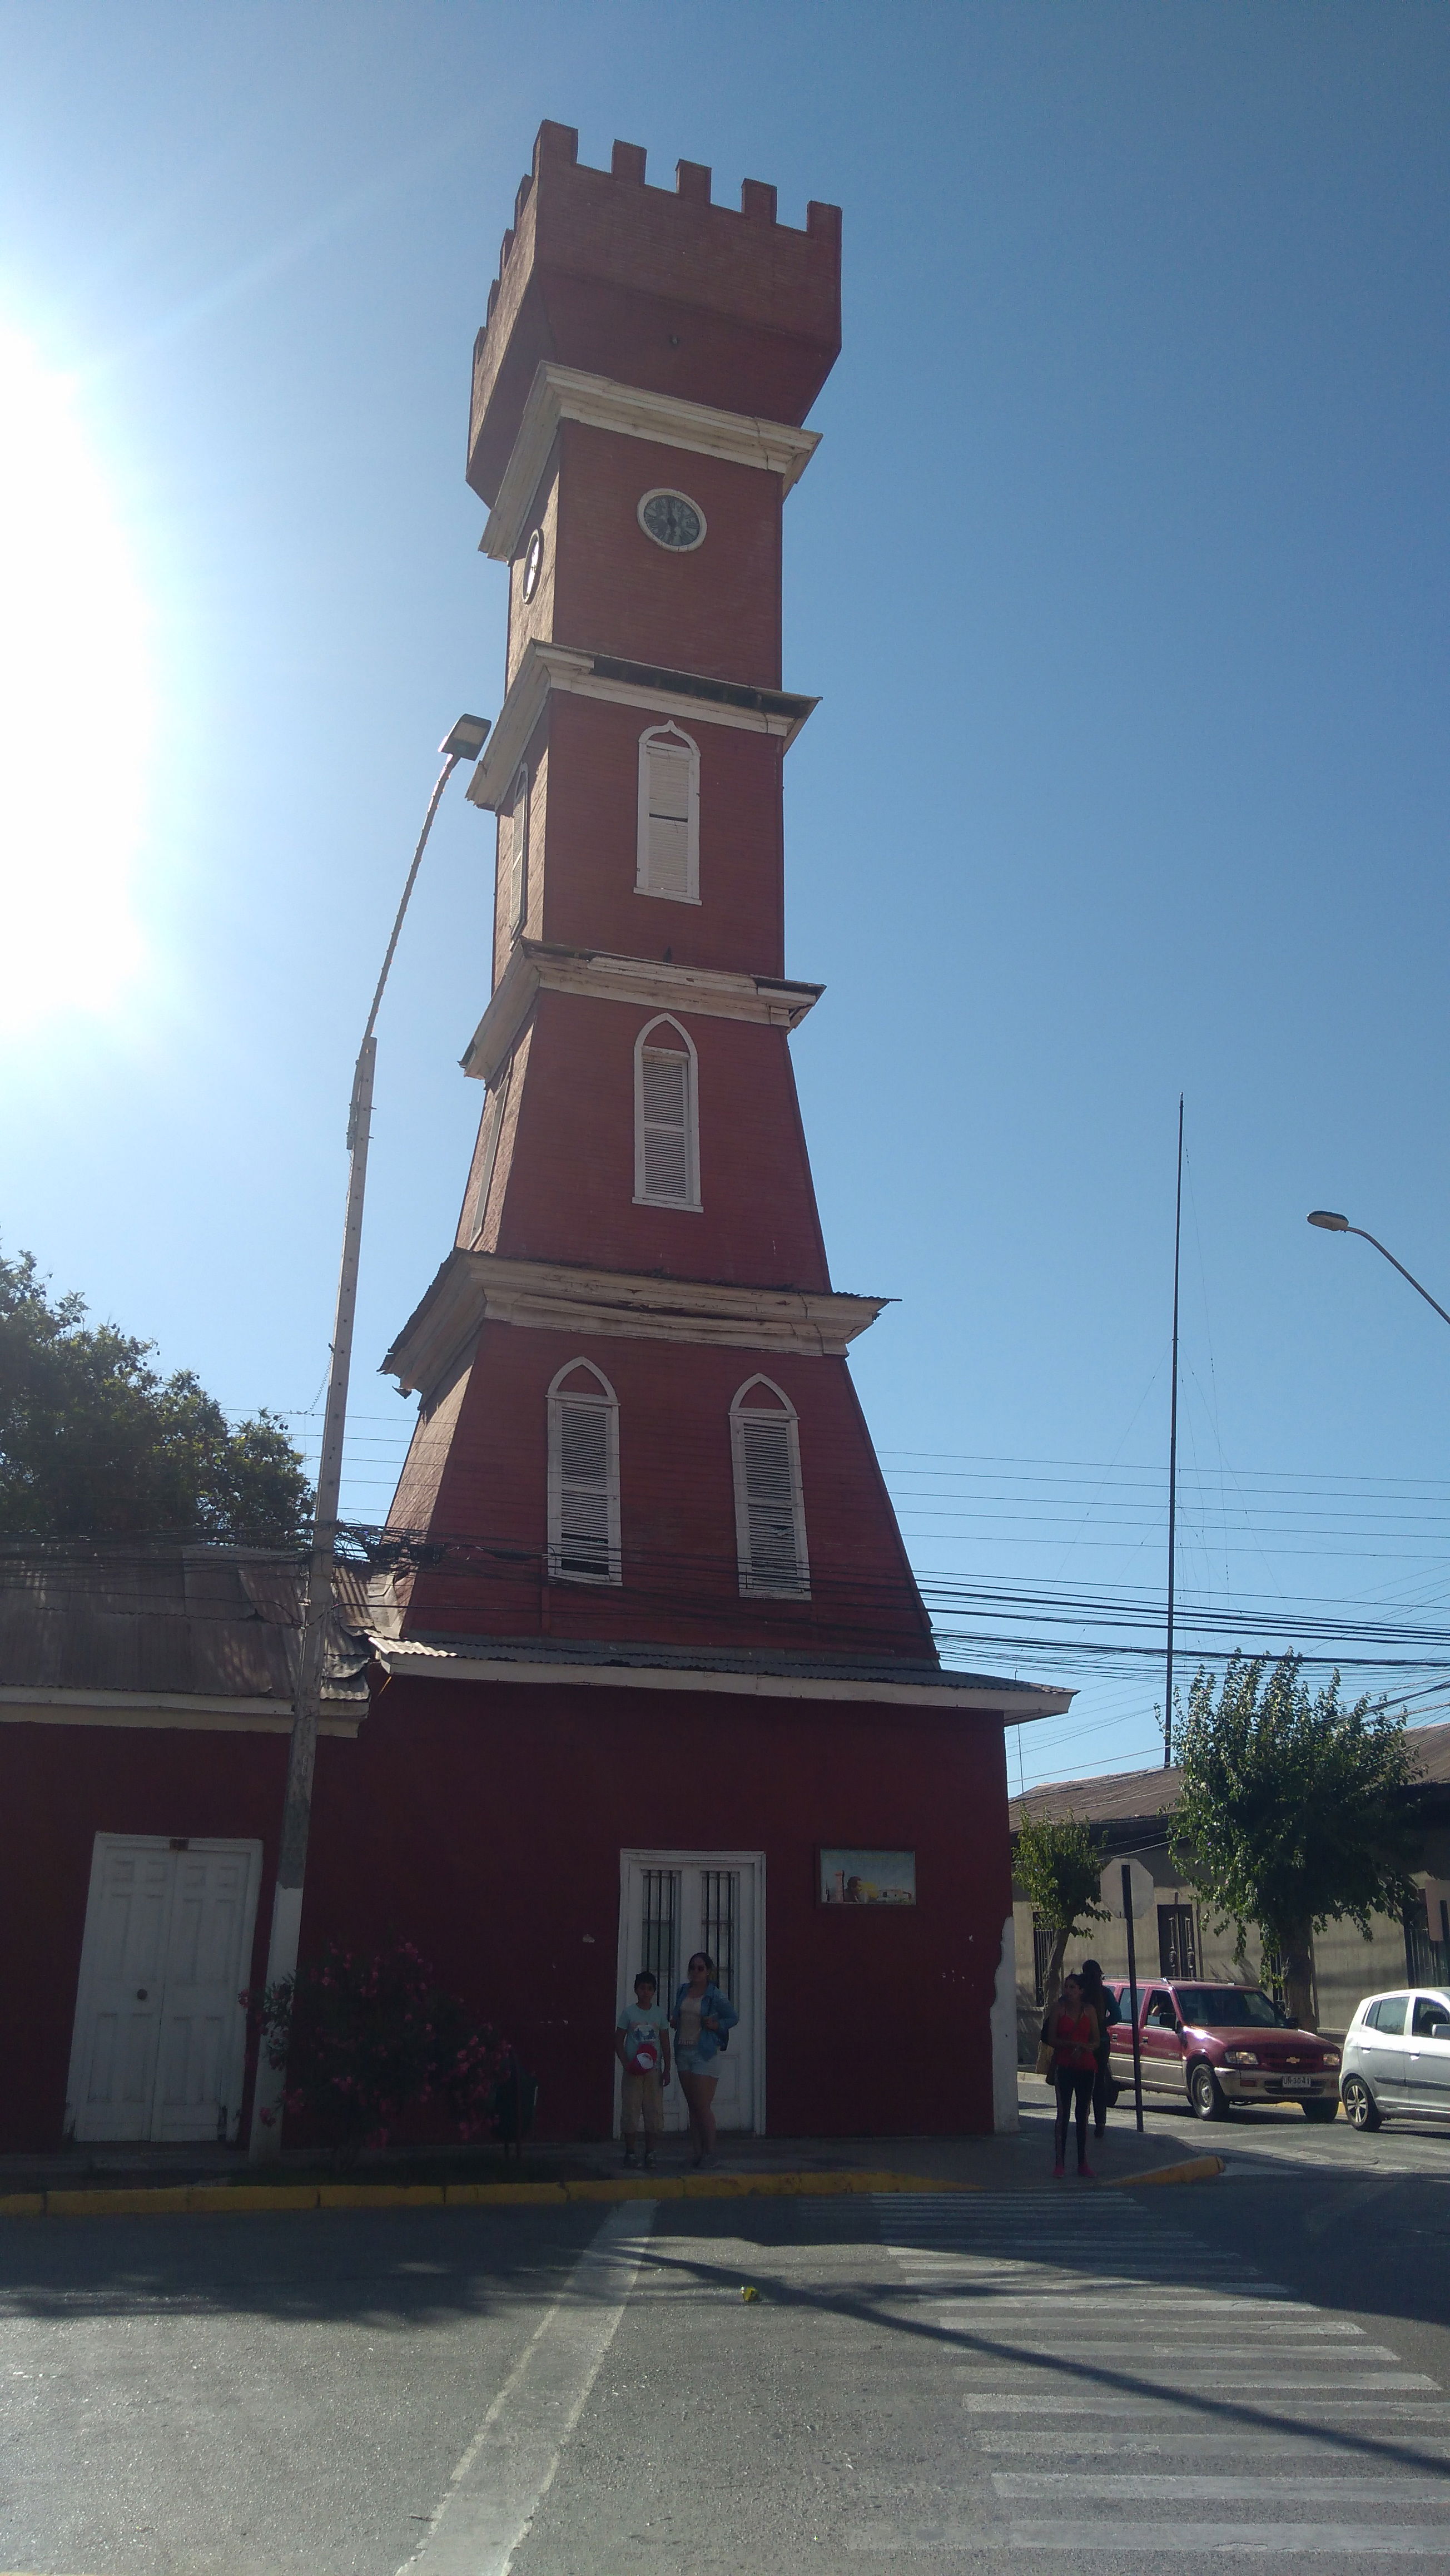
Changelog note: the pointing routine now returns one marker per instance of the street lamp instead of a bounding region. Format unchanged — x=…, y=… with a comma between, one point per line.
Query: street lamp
x=464, y=743
x=1333, y=1224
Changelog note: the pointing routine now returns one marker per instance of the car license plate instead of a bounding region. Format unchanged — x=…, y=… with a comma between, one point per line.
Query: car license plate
x=1297, y=2083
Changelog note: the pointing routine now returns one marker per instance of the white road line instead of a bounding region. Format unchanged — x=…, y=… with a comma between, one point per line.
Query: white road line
x=1241, y=2382
x=1246, y=2334
x=1351, y=2485
x=1207, y=2361
x=1402, y=2413
x=1271, y=2539
x=509, y=2466
x=1055, y=2441
x=1242, y=2316
x=1051, y=2348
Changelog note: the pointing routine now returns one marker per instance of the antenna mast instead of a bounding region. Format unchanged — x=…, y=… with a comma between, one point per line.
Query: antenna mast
x=1173, y=1455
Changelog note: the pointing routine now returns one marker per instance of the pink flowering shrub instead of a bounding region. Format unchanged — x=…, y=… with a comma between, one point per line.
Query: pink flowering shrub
x=367, y=2040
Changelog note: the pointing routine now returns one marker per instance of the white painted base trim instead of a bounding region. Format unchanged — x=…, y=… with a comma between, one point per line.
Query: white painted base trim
x=1005, y=2117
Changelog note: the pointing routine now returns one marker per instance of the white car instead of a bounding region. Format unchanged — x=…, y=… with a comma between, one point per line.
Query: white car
x=1397, y=2058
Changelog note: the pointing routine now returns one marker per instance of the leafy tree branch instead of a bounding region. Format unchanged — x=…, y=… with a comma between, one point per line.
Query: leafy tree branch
x=1059, y=1867
x=95, y=1443
x=1294, y=1811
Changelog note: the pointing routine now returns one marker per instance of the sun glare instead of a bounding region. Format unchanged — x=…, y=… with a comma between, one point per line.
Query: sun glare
x=75, y=706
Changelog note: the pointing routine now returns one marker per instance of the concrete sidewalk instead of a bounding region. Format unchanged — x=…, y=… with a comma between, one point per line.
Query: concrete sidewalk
x=1023, y=2162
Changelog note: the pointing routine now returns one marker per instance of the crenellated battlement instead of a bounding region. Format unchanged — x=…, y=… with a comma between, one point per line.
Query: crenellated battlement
x=656, y=287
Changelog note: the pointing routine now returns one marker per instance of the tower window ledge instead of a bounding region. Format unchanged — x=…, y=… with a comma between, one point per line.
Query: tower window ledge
x=711, y=992
x=695, y=695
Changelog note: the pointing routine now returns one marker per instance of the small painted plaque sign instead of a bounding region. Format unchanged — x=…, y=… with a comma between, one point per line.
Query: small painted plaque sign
x=868, y=1877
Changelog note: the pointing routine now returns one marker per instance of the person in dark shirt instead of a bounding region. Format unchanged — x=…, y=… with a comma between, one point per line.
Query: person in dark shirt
x=1096, y=1995
x=1072, y=2030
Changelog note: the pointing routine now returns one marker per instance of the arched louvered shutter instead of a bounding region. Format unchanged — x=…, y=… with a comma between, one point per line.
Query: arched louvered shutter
x=518, y=876
x=669, y=788
x=584, y=1537
x=769, y=1515
x=665, y=1120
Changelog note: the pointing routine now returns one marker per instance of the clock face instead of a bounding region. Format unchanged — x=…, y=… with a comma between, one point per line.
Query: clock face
x=673, y=520
x=533, y=563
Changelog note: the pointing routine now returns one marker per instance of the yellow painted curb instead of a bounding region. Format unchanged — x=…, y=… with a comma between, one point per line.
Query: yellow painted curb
x=236, y=2199
x=380, y=2195
x=210, y=2196
x=162, y=2202
x=1194, y=2169
x=505, y=2195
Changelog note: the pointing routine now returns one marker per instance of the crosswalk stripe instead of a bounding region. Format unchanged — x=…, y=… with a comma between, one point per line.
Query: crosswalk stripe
x=1059, y=2329
x=1057, y=2441
x=1280, y=2539
x=1005, y=2401
x=1209, y=2490
x=1131, y=2353
x=1248, y=2381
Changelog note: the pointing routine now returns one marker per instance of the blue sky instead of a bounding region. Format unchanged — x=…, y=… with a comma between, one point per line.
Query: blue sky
x=1121, y=573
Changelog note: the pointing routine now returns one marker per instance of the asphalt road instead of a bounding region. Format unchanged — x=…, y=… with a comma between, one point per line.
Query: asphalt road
x=1155, y=2379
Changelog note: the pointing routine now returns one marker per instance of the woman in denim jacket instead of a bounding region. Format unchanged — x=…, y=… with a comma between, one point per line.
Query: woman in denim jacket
x=700, y=2019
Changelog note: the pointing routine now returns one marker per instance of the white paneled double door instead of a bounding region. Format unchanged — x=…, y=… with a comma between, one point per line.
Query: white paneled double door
x=674, y=1903
x=160, y=2033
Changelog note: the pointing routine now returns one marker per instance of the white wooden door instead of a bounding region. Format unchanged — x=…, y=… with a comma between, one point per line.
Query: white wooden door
x=674, y=1903
x=160, y=2035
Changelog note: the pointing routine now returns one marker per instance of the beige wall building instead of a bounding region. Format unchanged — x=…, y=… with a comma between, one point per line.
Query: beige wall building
x=1131, y=1812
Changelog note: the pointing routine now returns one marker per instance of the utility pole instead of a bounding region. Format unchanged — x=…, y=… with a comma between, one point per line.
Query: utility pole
x=1133, y=1996
x=1173, y=1457
x=465, y=742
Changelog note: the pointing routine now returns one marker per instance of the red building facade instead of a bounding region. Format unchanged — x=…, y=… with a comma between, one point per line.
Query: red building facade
x=648, y=1669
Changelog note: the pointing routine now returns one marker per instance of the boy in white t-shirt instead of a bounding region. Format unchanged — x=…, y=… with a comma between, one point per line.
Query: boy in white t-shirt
x=642, y=2046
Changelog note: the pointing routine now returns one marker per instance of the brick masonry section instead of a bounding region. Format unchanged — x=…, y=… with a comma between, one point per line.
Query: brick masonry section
x=656, y=288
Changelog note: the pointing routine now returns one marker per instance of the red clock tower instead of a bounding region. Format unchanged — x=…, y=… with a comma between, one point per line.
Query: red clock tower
x=641, y=1520
x=638, y=1421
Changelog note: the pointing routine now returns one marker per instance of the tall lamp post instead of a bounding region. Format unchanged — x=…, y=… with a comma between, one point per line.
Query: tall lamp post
x=464, y=743
x=1333, y=1224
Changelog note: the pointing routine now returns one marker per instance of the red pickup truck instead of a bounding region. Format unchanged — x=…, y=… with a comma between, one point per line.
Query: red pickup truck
x=1221, y=2046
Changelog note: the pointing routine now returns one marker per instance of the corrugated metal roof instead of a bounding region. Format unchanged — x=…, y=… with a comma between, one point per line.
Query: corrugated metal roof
x=216, y=1622
x=1135, y=1797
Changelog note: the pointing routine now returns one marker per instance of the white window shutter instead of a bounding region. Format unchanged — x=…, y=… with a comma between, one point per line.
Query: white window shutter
x=668, y=846
x=669, y=815
x=665, y=1116
x=519, y=851
x=771, y=1518
x=586, y=1512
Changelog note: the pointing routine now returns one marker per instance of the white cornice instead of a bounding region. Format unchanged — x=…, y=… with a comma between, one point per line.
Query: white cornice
x=474, y=1288
x=566, y=393
x=189, y=1710
x=646, y=982
x=544, y=666
x=1016, y=1703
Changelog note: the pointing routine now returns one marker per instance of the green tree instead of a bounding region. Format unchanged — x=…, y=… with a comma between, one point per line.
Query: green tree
x=1294, y=1811
x=94, y=1443
x=1059, y=1867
